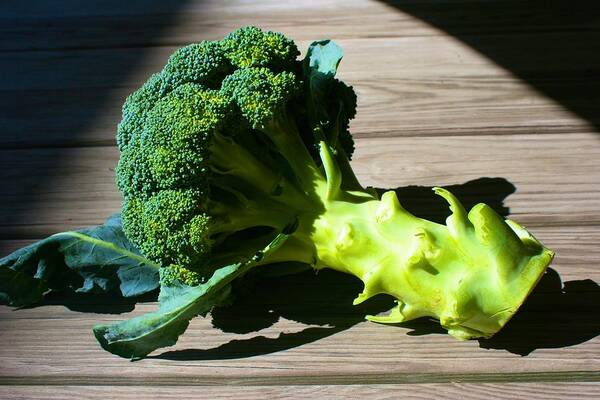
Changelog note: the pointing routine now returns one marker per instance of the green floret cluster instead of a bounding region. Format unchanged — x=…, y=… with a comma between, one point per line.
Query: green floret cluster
x=211, y=151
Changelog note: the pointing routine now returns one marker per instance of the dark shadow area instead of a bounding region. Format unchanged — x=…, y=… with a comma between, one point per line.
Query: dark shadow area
x=422, y=202
x=552, y=45
x=553, y=316
x=325, y=299
x=252, y=347
x=59, y=64
x=96, y=303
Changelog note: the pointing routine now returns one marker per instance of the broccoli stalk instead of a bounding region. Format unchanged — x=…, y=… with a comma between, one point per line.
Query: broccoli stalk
x=472, y=274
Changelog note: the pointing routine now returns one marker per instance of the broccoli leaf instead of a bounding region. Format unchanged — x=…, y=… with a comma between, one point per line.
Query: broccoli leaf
x=329, y=120
x=179, y=303
x=320, y=66
x=97, y=259
x=323, y=57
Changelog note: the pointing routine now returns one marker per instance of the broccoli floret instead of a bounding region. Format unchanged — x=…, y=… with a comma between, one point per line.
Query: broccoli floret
x=253, y=47
x=234, y=140
x=135, y=108
x=202, y=63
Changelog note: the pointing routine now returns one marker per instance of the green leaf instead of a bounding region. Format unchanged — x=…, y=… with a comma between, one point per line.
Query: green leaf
x=179, y=303
x=330, y=102
x=324, y=57
x=329, y=120
x=320, y=66
x=98, y=259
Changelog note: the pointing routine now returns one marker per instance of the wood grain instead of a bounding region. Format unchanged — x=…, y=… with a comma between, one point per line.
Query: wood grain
x=436, y=106
x=72, y=24
x=59, y=348
x=467, y=391
x=281, y=334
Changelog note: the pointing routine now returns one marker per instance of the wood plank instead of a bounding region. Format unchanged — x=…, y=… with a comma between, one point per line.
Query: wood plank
x=85, y=28
x=544, y=195
x=51, y=190
x=279, y=332
x=456, y=88
x=52, y=70
x=467, y=391
x=73, y=24
x=440, y=86
x=57, y=345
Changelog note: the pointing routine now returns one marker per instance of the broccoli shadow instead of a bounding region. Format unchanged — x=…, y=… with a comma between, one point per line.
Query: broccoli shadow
x=553, y=316
x=422, y=202
x=323, y=301
x=95, y=303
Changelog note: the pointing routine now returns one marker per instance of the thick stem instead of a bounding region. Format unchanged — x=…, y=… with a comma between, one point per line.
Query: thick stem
x=234, y=160
x=250, y=214
x=472, y=274
x=283, y=132
x=295, y=249
x=231, y=220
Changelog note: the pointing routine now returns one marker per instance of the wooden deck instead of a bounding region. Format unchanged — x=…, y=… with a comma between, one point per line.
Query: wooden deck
x=450, y=92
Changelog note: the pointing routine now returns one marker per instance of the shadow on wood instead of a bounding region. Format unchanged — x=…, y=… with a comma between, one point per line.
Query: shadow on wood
x=552, y=45
x=554, y=316
x=323, y=299
x=423, y=203
x=96, y=303
x=46, y=68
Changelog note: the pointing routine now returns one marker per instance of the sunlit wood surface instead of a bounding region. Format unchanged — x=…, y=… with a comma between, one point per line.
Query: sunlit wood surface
x=448, y=95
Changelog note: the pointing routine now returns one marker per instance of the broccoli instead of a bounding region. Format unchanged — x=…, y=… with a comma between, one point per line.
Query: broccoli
x=235, y=157
x=234, y=141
